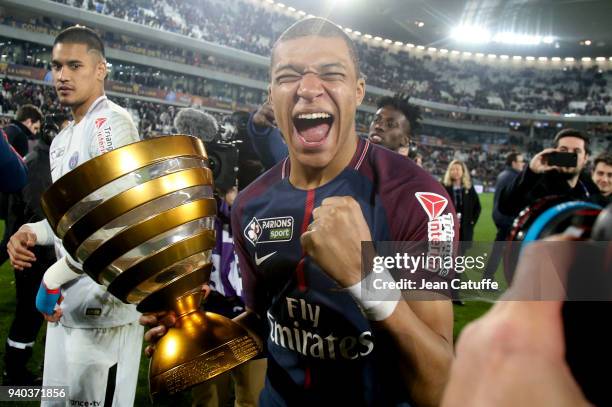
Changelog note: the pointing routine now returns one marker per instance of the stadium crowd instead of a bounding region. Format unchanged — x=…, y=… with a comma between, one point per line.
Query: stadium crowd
x=242, y=25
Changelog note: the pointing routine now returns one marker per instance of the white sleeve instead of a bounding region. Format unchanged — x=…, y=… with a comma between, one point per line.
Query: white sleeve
x=112, y=129
x=44, y=233
x=58, y=274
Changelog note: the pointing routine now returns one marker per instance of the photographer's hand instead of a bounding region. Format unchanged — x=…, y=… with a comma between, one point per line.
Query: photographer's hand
x=515, y=354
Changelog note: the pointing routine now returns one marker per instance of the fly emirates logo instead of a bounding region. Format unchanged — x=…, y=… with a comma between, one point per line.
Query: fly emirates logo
x=301, y=334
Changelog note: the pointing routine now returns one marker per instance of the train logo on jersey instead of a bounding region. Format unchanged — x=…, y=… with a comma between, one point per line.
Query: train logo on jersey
x=440, y=228
x=269, y=230
x=433, y=204
x=100, y=121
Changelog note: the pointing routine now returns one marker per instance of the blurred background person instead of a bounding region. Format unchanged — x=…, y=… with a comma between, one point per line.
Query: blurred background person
x=394, y=123
x=458, y=184
x=602, y=177
x=24, y=128
x=514, y=165
x=539, y=179
x=415, y=156
x=24, y=207
x=265, y=137
x=12, y=167
x=21, y=130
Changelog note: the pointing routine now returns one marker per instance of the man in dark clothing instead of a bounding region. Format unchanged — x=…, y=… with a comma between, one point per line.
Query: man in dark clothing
x=539, y=179
x=24, y=207
x=265, y=137
x=24, y=127
x=514, y=165
x=12, y=167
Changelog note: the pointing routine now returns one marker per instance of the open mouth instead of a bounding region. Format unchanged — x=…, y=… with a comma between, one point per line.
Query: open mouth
x=313, y=128
x=375, y=138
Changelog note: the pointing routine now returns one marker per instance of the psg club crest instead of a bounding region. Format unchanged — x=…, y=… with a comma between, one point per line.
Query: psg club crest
x=74, y=160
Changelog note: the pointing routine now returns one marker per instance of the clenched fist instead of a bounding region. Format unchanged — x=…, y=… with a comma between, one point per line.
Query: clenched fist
x=264, y=116
x=334, y=237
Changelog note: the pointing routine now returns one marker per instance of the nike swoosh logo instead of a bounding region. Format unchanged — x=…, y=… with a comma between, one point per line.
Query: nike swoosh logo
x=260, y=260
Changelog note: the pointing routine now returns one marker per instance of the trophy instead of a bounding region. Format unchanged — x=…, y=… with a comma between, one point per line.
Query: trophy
x=140, y=219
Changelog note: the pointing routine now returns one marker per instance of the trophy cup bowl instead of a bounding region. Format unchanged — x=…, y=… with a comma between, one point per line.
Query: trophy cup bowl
x=140, y=219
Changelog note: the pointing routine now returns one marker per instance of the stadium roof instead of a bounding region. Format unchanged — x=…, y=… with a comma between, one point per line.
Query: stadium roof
x=430, y=23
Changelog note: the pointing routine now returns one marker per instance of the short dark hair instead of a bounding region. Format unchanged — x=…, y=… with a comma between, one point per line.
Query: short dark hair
x=573, y=133
x=26, y=112
x=510, y=158
x=78, y=34
x=605, y=158
x=319, y=27
x=401, y=101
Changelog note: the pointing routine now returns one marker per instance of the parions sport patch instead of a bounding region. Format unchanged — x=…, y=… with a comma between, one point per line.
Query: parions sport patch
x=269, y=230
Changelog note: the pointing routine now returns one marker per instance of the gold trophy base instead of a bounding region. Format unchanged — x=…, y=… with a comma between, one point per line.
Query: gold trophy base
x=199, y=347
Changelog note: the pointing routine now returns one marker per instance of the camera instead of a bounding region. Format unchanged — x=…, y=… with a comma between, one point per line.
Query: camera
x=52, y=124
x=562, y=159
x=231, y=156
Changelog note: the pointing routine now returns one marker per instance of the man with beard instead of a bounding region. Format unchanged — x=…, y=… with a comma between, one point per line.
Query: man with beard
x=540, y=179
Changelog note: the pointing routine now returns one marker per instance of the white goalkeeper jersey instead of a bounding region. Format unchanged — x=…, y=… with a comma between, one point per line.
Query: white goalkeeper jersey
x=106, y=126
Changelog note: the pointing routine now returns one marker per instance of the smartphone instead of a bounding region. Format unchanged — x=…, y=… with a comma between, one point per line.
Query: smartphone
x=562, y=159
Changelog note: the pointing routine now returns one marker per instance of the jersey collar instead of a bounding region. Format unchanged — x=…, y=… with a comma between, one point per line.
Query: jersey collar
x=360, y=153
x=91, y=108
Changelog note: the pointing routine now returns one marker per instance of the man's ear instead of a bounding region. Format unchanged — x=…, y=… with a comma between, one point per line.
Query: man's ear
x=360, y=91
x=101, y=70
x=269, y=94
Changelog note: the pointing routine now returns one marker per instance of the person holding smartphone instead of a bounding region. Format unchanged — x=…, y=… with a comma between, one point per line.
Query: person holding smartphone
x=555, y=171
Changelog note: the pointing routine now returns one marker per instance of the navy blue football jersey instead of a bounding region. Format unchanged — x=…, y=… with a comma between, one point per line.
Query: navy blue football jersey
x=321, y=348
